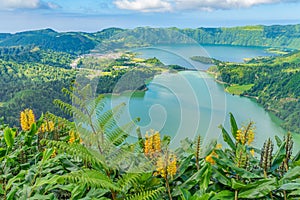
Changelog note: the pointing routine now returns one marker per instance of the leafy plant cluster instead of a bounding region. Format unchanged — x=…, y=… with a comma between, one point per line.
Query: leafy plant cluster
x=91, y=158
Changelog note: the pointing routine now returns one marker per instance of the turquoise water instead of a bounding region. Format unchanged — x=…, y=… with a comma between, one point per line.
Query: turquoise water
x=189, y=103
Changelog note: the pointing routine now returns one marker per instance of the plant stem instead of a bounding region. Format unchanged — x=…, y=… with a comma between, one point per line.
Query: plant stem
x=168, y=188
x=284, y=195
x=198, y=152
x=236, y=195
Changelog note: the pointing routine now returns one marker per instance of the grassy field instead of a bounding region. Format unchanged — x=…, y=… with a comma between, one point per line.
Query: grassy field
x=238, y=89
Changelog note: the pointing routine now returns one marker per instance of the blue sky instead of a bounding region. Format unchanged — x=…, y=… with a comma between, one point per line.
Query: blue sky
x=94, y=15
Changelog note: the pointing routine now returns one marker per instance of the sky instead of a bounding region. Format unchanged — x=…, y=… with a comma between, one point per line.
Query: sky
x=95, y=15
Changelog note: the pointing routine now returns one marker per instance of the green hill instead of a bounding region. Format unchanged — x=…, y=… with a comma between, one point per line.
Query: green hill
x=275, y=83
x=75, y=43
x=285, y=36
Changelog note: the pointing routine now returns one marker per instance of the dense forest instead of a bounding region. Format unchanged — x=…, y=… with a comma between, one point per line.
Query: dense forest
x=273, y=81
x=32, y=77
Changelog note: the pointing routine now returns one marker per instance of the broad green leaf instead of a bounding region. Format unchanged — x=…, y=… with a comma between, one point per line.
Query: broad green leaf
x=234, y=127
x=278, y=157
x=38, y=196
x=290, y=186
x=184, y=164
x=297, y=157
x=294, y=193
x=9, y=137
x=11, y=193
x=185, y=194
x=18, y=178
x=2, y=152
x=193, y=180
x=242, y=172
x=221, y=177
x=47, y=154
x=237, y=184
x=258, y=189
x=225, y=194
x=48, y=180
x=292, y=174
x=278, y=141
x=205, y=177
x=227, y=138
x=1, y=190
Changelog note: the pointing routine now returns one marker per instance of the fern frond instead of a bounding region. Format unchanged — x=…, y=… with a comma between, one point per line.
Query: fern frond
x=76, y=100
x=104, y=118
x=91, y=178
x=55, y=118
x=119, y=134
x=147, y=195
x=127, y=180
x=71, y=110
x=78, y=150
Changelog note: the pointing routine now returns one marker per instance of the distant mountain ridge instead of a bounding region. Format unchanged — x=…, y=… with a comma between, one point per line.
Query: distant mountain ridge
x=284, y=36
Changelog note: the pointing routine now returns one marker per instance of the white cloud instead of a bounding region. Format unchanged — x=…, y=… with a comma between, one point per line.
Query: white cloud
x=222, y=4
x=208, y=5
x=26, y=4
x=144, y=5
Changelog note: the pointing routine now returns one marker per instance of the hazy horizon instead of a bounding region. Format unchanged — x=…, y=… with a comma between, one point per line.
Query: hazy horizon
x=92, y=16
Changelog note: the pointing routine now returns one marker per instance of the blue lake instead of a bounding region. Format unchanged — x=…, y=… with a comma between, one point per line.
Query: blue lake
x=189, y=103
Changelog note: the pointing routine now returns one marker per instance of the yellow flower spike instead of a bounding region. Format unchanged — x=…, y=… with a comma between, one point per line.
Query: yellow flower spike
x=172, y=167
x=54, y=153
x=252, y=152
x=250, y=137
x=47, y=126
x=160, y=167
x=240, y=136
x=157, y=142
x=152, y=144
x=146, y=145
x=27, y=118
x=209, y=158
x=72, y=137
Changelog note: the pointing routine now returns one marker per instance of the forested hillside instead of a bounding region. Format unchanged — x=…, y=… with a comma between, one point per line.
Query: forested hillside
x=75, y=43
x=287, y=36
x=274, y=81
x=32, y=78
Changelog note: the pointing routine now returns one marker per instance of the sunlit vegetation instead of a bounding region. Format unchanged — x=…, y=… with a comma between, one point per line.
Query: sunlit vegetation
x=238, y=89
x=205, y=60
x=274, y=81
x=91, y=158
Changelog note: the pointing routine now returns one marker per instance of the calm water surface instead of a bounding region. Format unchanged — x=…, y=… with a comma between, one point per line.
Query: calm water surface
x=189, y=103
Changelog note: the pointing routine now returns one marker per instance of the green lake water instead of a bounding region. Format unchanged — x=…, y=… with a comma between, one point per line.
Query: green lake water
x=188, y=103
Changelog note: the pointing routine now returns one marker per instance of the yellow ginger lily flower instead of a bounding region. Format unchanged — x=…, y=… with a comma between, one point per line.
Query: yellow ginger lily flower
x=27, y=118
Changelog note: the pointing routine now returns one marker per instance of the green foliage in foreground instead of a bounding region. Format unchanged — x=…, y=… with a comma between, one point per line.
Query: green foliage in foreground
x=93, y=160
